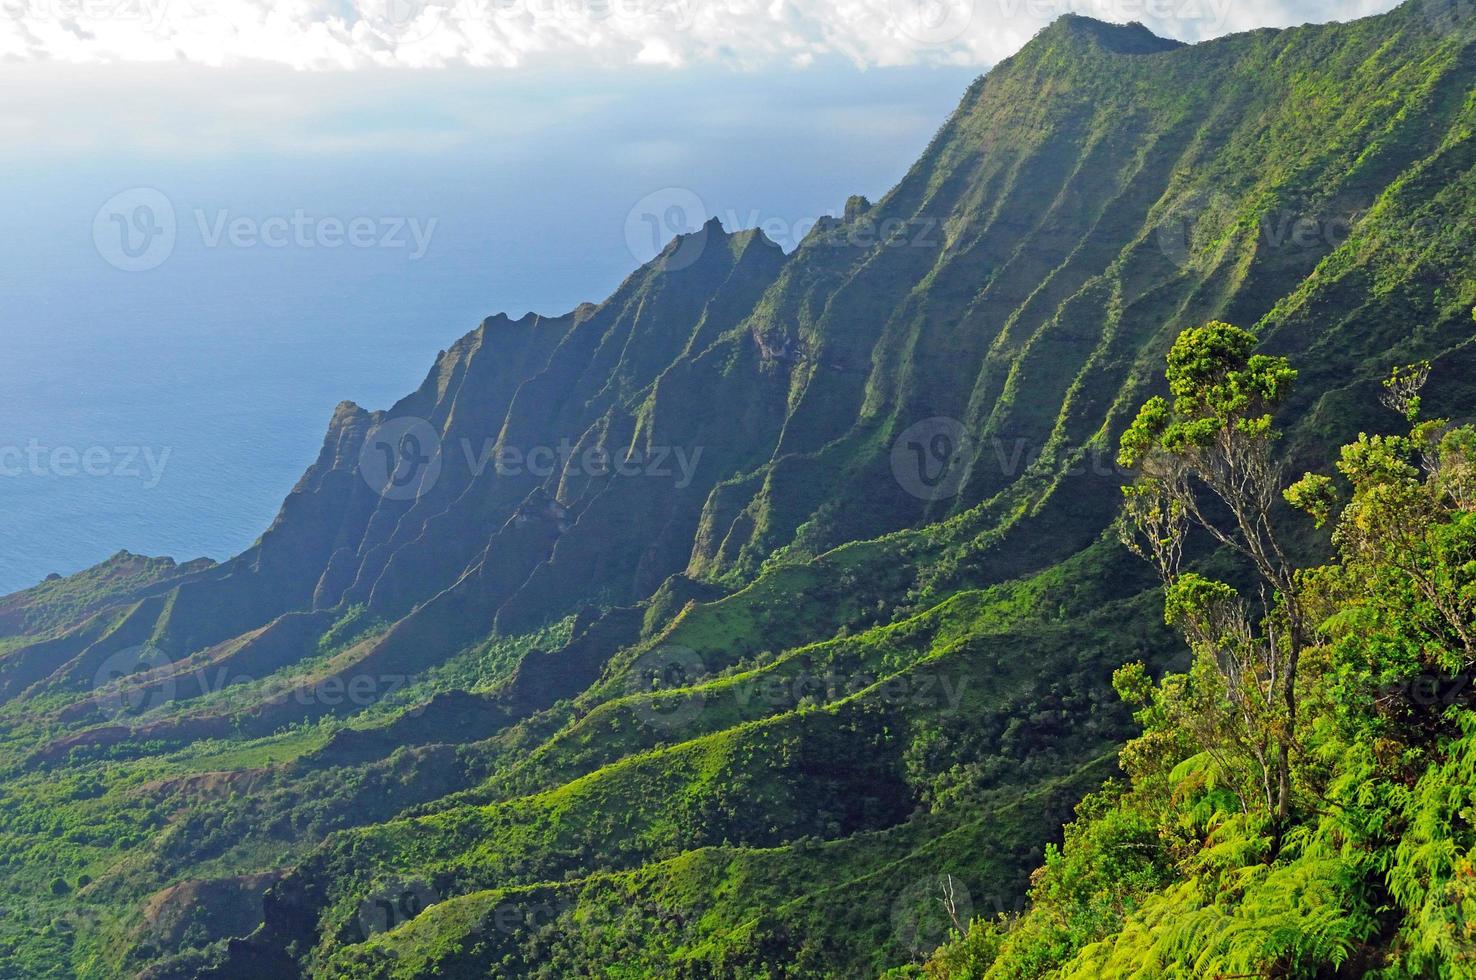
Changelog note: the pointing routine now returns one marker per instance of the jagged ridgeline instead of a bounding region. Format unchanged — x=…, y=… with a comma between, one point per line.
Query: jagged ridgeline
x=758, y=621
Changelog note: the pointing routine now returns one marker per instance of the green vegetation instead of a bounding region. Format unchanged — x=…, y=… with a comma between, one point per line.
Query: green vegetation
x=1299, y=801
x=803, y=716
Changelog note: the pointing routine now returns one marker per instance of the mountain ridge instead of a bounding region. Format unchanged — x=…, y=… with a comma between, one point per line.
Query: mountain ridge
x=1020, y=284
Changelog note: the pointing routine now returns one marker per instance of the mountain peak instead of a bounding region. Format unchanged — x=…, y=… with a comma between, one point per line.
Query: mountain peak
x=752, y=467
x=1130, y=38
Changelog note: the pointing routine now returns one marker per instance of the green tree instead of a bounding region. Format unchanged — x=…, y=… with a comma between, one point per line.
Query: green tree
x=1205, y=459
x=1374, y=872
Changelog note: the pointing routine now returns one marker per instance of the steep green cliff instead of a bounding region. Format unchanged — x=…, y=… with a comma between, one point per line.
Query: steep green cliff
x=716, y=629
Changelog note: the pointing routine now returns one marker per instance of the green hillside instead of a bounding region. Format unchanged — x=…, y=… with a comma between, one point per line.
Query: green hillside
x=763, y=619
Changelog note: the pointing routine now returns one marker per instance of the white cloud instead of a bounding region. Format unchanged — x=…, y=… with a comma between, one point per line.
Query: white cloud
x=344, y=34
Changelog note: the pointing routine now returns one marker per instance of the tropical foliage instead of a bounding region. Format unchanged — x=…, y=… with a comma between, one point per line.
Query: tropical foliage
x=1300, y=802
x=811, y=706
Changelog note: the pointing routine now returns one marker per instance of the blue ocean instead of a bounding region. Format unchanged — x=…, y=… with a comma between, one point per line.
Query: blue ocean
x=164, y=400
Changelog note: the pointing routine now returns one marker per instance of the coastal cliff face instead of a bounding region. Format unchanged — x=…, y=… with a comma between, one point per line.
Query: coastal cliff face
x=699, y=630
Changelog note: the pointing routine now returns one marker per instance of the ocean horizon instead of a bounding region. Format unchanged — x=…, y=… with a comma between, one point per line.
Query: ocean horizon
x=168, y=409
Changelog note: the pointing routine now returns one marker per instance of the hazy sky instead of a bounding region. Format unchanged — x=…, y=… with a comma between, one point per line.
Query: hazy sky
x=215, y=78
x=177, y=272
x=533, y=189
x=348, y=34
